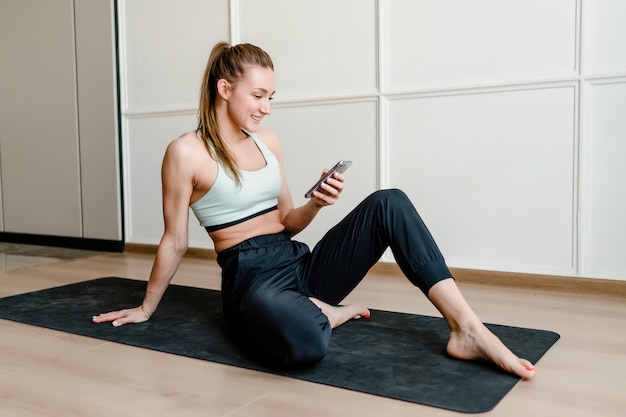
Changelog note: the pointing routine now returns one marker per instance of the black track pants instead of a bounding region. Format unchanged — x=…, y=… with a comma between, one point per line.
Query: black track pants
x=266, y=280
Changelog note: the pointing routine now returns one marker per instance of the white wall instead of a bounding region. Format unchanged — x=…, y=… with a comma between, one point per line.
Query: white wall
x=501, y=120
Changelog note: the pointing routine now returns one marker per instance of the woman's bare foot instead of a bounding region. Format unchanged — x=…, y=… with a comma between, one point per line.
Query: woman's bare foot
x=469, y=337
x=340, y=314
x=479, y=343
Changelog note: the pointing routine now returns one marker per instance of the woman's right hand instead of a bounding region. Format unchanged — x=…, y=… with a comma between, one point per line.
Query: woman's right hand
x=122, y=317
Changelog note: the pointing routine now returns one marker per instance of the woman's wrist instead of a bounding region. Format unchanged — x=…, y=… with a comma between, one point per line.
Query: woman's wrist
x=146, y=312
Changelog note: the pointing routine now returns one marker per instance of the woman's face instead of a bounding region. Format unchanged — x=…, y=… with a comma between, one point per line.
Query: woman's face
x=249, y=98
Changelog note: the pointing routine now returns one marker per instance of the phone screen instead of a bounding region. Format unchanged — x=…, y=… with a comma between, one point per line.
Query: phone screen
x=340, y=167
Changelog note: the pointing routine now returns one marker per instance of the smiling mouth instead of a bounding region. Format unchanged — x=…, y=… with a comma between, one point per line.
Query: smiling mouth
x=257, y=118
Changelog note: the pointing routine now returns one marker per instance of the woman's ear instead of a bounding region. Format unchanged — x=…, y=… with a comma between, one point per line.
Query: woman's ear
x=223, y=88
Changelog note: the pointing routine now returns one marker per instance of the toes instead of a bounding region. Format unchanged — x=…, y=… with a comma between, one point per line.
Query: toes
x=520, y=367
x=529, y=369
x=364, y=313
x=362, y=316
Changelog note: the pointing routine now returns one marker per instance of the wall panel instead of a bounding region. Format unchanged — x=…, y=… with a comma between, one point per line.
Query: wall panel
x=456, y=42
x=604, y=187
x=604, y=36
x=319, y=48
x=167, y=47
x=492, y=174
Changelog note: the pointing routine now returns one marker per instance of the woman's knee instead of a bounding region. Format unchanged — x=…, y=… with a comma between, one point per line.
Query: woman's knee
x=307, y=347
x=286, y=329
x=298, y=343
x=391, y=197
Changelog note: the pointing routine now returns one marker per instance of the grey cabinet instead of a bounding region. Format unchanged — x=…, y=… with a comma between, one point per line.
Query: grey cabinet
x=59, y=145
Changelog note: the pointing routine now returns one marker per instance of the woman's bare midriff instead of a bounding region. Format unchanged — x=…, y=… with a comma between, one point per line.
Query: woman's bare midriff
x=266, y=224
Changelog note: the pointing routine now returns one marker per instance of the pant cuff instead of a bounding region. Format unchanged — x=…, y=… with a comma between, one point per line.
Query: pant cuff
x=431, y=273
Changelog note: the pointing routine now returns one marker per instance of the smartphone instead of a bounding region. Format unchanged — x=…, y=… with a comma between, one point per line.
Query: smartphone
x=340, y=167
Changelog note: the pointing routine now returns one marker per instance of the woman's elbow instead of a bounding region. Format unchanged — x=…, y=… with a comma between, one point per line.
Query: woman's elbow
x=175, y=245
x=180, y=247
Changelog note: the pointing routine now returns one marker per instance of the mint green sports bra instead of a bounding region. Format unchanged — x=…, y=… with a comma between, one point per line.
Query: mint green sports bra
x=227, y=204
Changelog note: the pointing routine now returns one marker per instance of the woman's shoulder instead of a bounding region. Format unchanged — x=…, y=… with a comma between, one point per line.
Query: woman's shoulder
x=187, y=143
x=189, y=139
x=188, y=149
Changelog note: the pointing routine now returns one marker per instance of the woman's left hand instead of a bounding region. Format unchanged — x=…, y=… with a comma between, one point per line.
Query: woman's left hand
x=329, y=190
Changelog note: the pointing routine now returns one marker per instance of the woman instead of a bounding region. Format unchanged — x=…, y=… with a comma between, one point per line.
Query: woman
x=279, y=297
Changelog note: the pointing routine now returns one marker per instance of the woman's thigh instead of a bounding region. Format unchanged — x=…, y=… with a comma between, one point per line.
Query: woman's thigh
x=342, y=258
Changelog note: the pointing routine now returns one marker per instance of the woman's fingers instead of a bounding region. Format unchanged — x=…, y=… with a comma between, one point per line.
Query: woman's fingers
x=121, y=317
x=104, y=317
x=330, y=189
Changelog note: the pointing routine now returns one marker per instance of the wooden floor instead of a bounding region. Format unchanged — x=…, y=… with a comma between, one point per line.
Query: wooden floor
x=49, y=373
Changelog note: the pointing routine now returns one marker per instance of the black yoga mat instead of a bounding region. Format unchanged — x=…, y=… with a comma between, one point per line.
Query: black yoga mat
x=395, y=355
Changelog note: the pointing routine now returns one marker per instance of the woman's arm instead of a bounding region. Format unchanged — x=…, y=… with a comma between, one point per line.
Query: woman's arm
x=177, y=180
x=177, y=183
